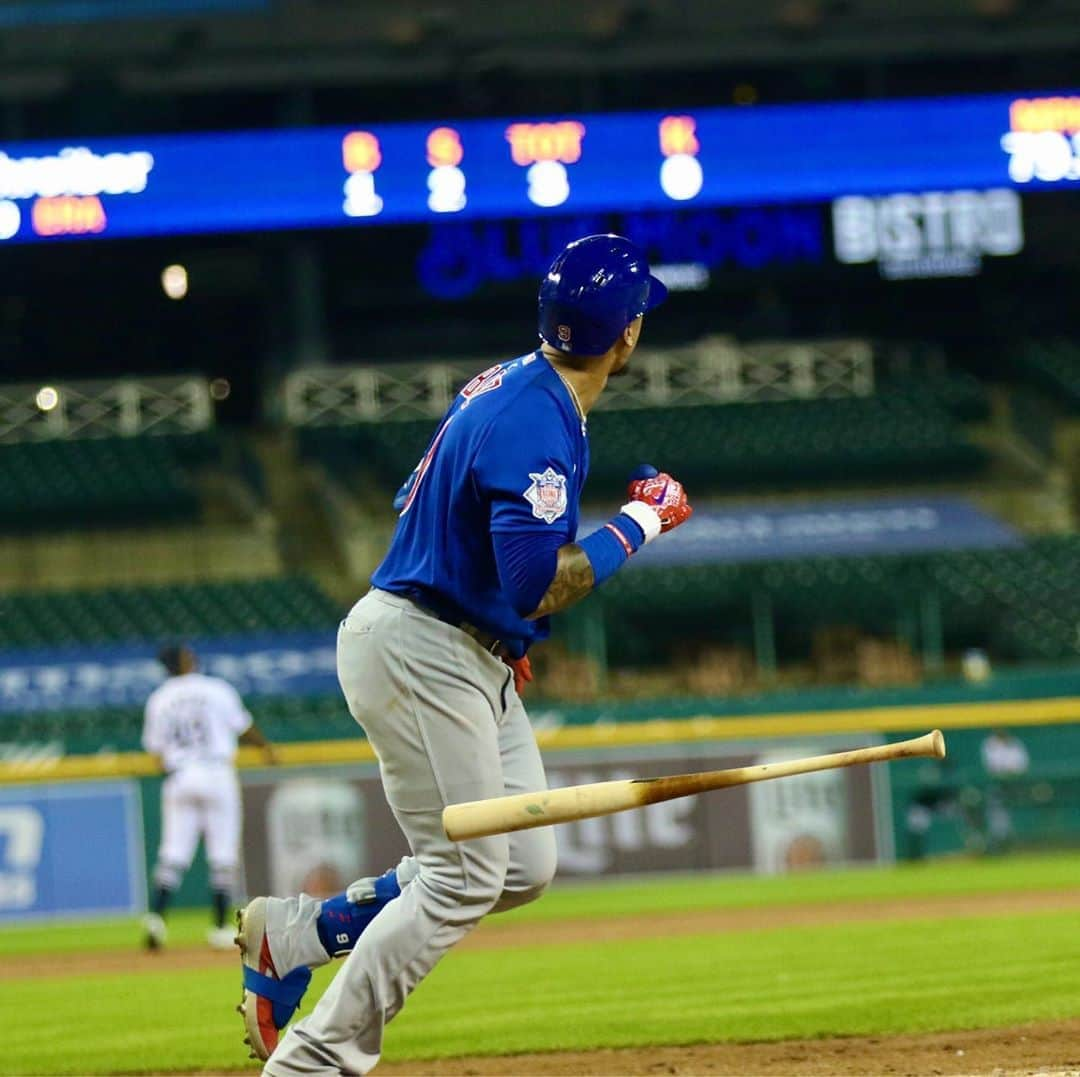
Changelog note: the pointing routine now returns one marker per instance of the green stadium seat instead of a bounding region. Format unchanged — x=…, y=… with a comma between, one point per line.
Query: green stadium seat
x=1024, y=602
x=97, y=482
x=906, y=432
x=281, y=718
x=127, y=614
x=1054, y=366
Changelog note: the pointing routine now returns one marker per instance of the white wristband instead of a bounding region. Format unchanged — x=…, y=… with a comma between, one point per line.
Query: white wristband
x=645, y=516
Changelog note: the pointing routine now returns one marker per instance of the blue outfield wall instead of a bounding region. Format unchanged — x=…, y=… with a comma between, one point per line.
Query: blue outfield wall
x=71, y=849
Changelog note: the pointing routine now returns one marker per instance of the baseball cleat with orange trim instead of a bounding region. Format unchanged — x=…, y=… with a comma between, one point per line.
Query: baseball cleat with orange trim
x=269, y=1001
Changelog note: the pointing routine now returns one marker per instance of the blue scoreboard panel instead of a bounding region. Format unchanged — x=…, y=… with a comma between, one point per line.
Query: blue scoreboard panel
x=420, y=172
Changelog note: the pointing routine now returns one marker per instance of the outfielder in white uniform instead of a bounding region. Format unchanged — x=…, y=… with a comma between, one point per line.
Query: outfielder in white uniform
x=193, y=724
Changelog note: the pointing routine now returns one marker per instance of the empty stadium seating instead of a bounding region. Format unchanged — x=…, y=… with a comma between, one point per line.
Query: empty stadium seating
x=385, y=453
x=1032, y=595
x=961, y=394
x=126, y=614
x=1053, y=365
x=1022, y=603
x=94, y=729
x=101, y=481
x=900, y=434
x=882, y=437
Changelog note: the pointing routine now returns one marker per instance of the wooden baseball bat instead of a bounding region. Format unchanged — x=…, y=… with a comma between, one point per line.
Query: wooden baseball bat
x=501, y=815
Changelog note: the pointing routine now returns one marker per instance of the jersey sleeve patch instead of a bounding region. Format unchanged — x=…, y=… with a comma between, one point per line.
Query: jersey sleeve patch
x=547, y=494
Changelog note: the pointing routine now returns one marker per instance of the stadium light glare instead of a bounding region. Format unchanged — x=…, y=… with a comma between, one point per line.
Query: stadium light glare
x=47, y=398
x=174, y=281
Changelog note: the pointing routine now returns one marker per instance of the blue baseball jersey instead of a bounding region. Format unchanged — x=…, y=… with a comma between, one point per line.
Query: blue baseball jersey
x=511, y=455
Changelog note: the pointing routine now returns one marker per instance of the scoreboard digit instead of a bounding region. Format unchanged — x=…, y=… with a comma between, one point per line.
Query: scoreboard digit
x=681, y=175
x=362, y=155
x=544, y=150
x=1043, y=141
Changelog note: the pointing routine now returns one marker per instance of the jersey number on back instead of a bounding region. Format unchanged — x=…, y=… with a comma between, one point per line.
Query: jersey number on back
x=422, y=467
x=484, y=382
x=189, y=732
x=186, y=727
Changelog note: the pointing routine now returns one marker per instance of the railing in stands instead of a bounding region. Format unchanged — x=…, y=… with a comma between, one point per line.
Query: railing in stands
x=712, y=370
x=107, y=408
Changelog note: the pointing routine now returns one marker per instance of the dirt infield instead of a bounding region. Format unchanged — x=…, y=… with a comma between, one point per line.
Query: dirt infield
x=1045, y=1049
x=1042, y=1050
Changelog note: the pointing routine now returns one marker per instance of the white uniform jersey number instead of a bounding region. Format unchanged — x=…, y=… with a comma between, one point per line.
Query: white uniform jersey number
x=187, y=726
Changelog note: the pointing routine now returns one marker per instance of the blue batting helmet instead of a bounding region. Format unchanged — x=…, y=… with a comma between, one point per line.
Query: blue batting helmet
x=594, y=289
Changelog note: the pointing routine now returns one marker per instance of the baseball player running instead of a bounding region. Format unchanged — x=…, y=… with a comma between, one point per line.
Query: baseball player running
x=193, y=723
x=433, y=659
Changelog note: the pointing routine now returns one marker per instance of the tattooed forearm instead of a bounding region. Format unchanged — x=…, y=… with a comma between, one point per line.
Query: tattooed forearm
x=573, y=581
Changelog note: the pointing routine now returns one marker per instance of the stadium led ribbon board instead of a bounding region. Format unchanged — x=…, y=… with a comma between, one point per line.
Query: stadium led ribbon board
x=397, y=173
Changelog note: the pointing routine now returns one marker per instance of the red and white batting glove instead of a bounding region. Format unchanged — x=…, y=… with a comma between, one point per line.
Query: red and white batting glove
x=663, y=496
x=523, y=673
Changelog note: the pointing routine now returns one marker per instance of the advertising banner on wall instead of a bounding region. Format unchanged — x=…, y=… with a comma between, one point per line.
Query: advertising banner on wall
x=889, y=525
x=290, y=663
x=72, y=849
x=316, y=831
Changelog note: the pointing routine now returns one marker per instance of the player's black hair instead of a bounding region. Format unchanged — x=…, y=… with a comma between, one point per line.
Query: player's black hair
x=171, y=656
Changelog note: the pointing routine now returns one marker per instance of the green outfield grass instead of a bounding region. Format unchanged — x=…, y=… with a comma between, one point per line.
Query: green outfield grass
x=866, y=977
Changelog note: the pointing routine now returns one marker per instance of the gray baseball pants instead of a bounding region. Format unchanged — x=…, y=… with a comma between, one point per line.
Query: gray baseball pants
x=447, y=725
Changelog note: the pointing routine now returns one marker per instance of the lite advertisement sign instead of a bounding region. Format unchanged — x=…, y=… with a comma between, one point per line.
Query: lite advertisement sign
x=495, y=169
